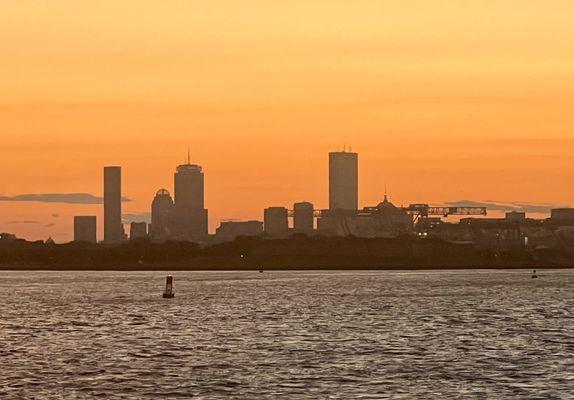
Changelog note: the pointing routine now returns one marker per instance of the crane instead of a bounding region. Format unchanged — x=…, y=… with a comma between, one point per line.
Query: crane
x=419, y=211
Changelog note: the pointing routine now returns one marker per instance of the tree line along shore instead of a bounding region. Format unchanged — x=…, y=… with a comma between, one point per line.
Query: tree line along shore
x=298, y=253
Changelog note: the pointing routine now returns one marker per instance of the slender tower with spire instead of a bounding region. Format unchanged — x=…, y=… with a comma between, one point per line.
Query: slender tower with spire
x=190, y=215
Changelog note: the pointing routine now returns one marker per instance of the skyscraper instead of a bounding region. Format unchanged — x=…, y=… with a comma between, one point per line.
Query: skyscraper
x=189, y=186
x=343, y=181
x=161, y=215
x=113, y=229
x=190, y=216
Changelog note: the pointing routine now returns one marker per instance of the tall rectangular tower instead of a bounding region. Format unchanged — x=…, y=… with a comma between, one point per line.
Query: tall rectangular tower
x=189, y=186
x=190, y=216
x=343, y=181
x=113, y=230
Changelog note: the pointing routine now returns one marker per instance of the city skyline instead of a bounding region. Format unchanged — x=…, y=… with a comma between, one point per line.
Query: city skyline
x=176, y=224
x=445, y=102
x=299, y=199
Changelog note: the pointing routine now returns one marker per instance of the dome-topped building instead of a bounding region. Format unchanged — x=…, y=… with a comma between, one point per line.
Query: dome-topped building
x=162, y=193
x=386, y=205
x=384, y=220
x=161, y=212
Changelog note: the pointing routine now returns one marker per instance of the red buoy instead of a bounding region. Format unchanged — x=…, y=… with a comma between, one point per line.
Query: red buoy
x=168, y=293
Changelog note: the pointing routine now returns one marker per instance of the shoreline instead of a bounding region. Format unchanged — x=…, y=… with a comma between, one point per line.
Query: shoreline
x=296, y=253
x=145, y=268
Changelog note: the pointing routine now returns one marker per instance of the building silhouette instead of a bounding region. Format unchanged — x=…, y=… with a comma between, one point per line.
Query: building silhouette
x=138, y=230
x=185, y=218
x=515, y=216
x=384, y=220
x=303, y=214
x=190, y=216
x=562, y=214
x=561, y=217
x=161, y=215
x=275, y=222
x=343, y=181
x=85, y=229
x=229, y=230
x=113, y=229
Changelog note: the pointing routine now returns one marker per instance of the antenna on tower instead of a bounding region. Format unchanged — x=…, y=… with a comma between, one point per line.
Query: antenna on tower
x=188, y=156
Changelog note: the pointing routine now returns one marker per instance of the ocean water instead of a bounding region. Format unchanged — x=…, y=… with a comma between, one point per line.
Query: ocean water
x=294, y=335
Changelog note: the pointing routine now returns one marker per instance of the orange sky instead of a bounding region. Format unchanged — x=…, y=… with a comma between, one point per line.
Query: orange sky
x=443, y=100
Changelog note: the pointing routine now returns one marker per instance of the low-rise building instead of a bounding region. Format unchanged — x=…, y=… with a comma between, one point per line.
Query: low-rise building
x=276, y=222
x=138, y=230
x=85, y=228
x=229, y=230
x=383, y=220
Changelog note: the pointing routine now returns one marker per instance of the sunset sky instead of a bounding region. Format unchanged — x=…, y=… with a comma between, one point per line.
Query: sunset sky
x=443, y=100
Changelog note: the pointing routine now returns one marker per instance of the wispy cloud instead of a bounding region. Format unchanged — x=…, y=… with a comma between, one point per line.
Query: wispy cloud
x=67, y=198
x=537, y=208
x=136, y=217
x=22, y=222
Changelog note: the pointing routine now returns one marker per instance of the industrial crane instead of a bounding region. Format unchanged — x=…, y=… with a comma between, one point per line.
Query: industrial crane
x=424, y=210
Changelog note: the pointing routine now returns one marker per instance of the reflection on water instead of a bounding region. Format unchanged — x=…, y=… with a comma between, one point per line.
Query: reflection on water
x=474, y=334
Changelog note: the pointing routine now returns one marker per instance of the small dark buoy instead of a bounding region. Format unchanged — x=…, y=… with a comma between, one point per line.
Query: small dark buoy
x=168, y=292
x=534, y=274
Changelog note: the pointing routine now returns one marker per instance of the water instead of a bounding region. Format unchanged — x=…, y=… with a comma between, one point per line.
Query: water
x=314, y=335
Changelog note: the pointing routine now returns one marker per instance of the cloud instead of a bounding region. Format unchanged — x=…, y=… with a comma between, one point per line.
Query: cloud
x=22, y=222
x=136, y=217
x=49, y=225
x=537, y=208
x=67, y=198
x=55, y=215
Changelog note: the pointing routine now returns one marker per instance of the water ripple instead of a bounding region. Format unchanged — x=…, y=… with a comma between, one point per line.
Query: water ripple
x=302, y=335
